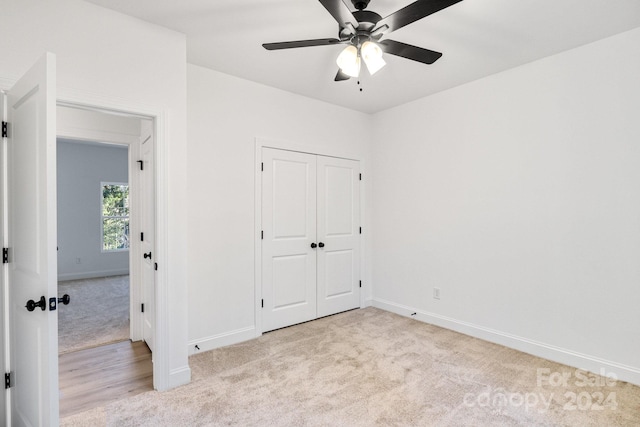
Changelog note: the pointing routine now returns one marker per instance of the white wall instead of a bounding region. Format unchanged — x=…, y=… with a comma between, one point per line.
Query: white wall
x=104, y=55
x=81, y=170
x=226, y=115
x=519, y=196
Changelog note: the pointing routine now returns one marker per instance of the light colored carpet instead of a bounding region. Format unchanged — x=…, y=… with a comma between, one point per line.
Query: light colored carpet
x=373, y=368
x=98, y=313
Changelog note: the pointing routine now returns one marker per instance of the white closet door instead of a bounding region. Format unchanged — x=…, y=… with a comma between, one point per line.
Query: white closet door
x=338, y=227
x=289, y=227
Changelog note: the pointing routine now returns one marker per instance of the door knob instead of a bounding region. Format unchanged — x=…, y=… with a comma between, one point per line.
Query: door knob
x=65, y=299
x=313, y=245
x=31, y=304
x=147, y=255
x=321, y=245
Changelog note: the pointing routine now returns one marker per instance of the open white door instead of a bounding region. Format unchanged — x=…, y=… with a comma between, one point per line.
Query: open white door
x=31, y=188
x=147, y=226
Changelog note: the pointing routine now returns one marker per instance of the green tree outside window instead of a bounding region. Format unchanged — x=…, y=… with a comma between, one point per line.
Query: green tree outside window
x=115, y=216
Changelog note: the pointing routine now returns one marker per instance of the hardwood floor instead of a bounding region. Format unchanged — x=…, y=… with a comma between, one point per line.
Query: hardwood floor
x=97, y=376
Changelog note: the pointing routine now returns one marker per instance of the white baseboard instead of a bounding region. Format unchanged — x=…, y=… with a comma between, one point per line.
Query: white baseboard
x=91, y=274
x=179, y=376
x=221, y=340
x=557, y=354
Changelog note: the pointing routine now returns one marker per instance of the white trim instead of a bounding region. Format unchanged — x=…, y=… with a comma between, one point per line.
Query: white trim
x=221, y=340
x=6, y=83
x=307, y=148
x=261, y=143
x=165, y=378
x=179, y=376
x=557, y=354
x=257, y=261
x=92, y=274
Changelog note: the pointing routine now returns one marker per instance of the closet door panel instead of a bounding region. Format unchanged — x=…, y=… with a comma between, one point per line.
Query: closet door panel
x=338, y=230
x=289, y=227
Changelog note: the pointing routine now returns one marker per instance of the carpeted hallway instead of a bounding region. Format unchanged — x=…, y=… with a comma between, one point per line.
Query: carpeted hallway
x=98, y=313
x=370, y=367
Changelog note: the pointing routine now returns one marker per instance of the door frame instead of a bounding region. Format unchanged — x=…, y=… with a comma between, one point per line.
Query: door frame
x=5, y=403
x=261, y=143
x=87, y=101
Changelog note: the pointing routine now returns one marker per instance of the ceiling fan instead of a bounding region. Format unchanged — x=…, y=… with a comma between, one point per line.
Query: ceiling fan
x=363, y=31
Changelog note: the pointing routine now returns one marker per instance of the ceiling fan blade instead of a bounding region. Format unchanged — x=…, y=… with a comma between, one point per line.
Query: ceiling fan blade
x=341, y=76
x=301, y=43
x=408, y=51
x=340, y=12
x=412, y=13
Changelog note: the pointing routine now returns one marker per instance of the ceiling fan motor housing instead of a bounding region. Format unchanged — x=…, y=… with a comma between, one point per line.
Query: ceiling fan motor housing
x=366, y=22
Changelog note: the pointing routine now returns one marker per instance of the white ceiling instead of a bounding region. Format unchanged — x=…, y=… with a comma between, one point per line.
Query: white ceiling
x=477, y=38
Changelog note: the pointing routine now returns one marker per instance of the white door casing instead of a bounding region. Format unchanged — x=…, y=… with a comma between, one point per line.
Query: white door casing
x=31, y=189
x=310, y=242
x=338, y=228
x=147, y=227
x=3, y=279
x=289, y=219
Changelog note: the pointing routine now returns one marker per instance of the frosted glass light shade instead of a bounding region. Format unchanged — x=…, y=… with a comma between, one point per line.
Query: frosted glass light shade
x=349, y=61
x=372, y=55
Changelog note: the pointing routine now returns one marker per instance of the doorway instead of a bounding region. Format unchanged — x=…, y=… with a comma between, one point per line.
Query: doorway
x=103, y=213
x=93, y=244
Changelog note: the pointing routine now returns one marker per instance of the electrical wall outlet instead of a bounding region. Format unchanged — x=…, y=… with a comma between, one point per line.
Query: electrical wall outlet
x=436, y=293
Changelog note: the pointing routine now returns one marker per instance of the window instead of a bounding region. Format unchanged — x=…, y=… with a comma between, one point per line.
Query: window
x=115, y=216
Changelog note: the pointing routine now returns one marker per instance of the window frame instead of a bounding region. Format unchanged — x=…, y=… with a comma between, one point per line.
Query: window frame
x=103, y=217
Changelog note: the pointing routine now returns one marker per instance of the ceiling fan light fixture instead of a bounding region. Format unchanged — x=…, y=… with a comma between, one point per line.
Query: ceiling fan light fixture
x=372, y=56
x=349, y=61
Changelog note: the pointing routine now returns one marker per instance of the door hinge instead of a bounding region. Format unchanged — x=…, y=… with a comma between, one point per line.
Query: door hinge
x=142, y=308
x=142, y=237
x=5, y=129
x=261, y=234
x=141, y=164
x=360, y=283
x=5, y=255
x=360, y=230
x=7, y=380
x=261, y=167
x=360, y=177
x=262, y=304
x=155, y=266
